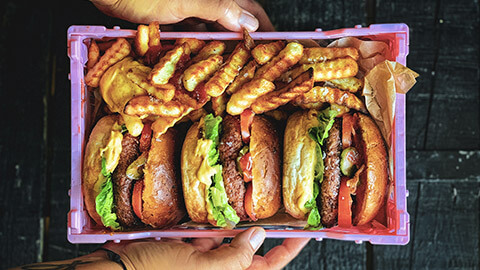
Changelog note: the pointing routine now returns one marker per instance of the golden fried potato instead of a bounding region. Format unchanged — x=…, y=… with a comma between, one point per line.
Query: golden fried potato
x=245, y=75
x=163, y=92
x=153, y=34
x=350, y=84
x=287, y=57
x=162, y=124
x=227, y=73
x=334, y=69
x=320, y=54
x=248, y=40
x=275, y=99
x=165, y=68
x=212, y=48
x=292, y=74
x=262, y=53
x=243, y=98
x=195, y=115
x=133, y=123
x=140, y=42
x=332, y=96
x=201, y=71
x=147, y=105
x=93, y=54
x=219, y=104
x=119, y=50
x=194, y=44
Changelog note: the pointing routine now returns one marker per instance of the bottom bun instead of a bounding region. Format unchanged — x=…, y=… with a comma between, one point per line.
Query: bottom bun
x=162, y=203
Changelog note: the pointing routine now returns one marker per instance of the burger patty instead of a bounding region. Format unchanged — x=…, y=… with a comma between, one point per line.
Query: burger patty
x=231, y=141
x=331, y=179
x=122, y=185
x=230, y=145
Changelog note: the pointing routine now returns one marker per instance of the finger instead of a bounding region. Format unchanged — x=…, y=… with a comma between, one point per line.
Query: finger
x=206, y=244
x=265, y=25
x=238, y=254
x=226, y=12
x=279, y=256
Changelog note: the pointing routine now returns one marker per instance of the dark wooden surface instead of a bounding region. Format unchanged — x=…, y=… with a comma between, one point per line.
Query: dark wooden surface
x=443, y=130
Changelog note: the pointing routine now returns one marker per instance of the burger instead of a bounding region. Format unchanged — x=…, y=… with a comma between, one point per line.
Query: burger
x=130, y=181
x=334, y=168
x=231, y=169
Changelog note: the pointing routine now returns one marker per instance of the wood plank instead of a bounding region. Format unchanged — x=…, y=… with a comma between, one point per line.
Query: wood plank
x=308, y=15
x=446, y=230
x=454, y=119
x=24, y=52
x=420, y=16
x=398, y=257
x=443, y=164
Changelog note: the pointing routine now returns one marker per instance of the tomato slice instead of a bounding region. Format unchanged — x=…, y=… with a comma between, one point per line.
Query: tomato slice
x=146, y=137
x=249, y=203
x=246, y=165
x=344, y=205
x=137, y=203
x=246, y=119
x=347, y=130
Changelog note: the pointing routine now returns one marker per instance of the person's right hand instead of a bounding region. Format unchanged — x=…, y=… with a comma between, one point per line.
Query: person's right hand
x=208, y=253
x=233, y=15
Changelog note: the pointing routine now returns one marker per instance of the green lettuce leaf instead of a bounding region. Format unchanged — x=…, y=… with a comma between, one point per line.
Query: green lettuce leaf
x=104, y=201
x=221, y=210
x=319, y=167
x=326, y=119
x=212, y=132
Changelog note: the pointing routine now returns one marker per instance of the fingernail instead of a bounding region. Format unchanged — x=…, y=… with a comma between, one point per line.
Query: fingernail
x=256, y=239
x=248, y=21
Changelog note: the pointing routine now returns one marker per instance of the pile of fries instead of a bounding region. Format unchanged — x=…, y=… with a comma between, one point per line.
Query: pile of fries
x=171, y=82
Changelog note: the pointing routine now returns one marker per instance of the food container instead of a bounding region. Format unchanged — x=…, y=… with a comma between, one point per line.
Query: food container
x=80, y=229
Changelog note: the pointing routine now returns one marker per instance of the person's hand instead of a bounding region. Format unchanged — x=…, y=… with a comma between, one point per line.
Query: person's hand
x=208, y=253
x=233, y=15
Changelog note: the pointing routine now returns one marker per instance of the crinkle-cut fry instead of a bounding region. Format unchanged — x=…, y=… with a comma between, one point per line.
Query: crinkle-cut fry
x=243, y=98
x=165, y=68
x=146, y=105
x=93, y=54
x=163, y=92
x=140, y=42
x=227, y=73
x=333, y=96
x=154, y=34
x=133, y=123
x=248, y=40
x=262, y=53
x=320, y=54
x=119, y=50
x=162, y=124
x=308, y=106
x=195, y=115
x=275, y=99
x=286, y=58
x=219, y=104
x=293, y=73
x=103, y=46
x=201, y=71
x=334, y=69
x=350, y=84
x=212, y=48
x=245, y=75
x=194, y=44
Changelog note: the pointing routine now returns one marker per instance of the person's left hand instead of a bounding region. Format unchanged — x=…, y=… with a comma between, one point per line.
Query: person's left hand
x=208, y=253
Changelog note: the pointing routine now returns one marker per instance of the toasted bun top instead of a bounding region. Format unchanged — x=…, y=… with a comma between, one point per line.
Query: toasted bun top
x=194, y=191
x=265, y=152
x=162, y=203
x=373, y=181
x=298, y=163
x=92, y=163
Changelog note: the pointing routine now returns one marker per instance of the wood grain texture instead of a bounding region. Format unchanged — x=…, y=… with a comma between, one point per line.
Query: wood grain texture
x=22, y=145
x=309, y=15
x=437, y=165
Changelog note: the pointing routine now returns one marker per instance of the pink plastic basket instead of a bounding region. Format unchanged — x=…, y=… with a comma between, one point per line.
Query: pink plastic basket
x=80, y=229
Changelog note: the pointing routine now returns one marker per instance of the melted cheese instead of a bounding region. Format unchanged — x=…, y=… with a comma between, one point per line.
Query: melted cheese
x=111, y=152
x=205, y=171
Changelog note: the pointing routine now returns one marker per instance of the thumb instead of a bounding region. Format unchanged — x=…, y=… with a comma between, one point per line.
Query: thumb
x=226, y=12
x=237, y=255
